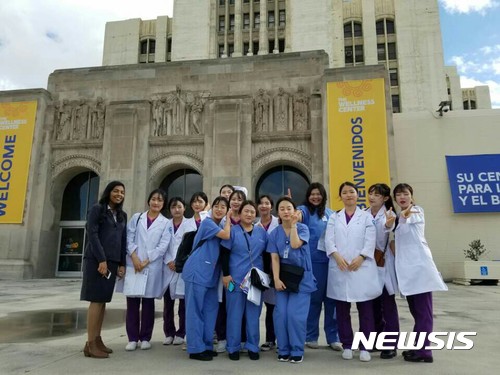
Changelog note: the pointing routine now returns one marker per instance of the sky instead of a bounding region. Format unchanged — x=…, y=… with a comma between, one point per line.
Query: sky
x=40, y=36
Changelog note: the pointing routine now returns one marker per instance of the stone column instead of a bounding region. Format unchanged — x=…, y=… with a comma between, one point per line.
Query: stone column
x=337, y=59
x=276, y=27
x=369, y=32
x=226, y=29
x=250, y=31
x=263, y=35
x=238, y=29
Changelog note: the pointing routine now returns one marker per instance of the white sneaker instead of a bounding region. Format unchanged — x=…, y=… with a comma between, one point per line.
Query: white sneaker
x=168, y=340
x=178, y=340
x=221, y=346
x=312, y=344
x=131, y=346
x=145, y=345
x=337, y=346
x=364, y=356
x=347, y=354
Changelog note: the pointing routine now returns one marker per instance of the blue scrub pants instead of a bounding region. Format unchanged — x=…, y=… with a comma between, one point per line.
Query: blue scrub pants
x=237, y=307
x=320, y=272
x=202, y=304
x=290, y=314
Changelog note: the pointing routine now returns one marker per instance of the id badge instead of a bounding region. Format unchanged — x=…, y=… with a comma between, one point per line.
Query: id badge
x=285, y=254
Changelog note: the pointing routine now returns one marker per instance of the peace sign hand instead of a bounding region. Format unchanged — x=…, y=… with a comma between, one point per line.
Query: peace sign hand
x=390, y=218
x=407, y=212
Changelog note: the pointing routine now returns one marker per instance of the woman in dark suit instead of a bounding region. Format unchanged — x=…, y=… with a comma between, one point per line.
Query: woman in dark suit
x=103, y=261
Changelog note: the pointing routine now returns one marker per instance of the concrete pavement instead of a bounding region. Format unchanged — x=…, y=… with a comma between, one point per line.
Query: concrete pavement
x=462, y=308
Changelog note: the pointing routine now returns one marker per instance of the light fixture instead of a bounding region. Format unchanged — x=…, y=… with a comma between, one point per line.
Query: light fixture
x=444, y=106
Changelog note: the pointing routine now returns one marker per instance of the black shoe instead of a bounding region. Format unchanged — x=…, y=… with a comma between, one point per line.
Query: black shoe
x=406, y=353
x=283, y=358
x=200, y=356
x=254, y=356
x=296, y=359
x=417, y=358
x=211, y=353
x=234, y=356
x=388, y=354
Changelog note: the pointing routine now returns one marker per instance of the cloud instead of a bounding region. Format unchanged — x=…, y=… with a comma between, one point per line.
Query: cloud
x=38, y=37
x=468, y=6
x=467, y=82
x=484, y=61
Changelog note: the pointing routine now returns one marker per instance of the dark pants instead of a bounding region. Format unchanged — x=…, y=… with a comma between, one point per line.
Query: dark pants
x=220, y=324
x=366, y=324
x=421, y=309
x=385, y=312
x=270, y=335
x=139, y=325
x=168, y=316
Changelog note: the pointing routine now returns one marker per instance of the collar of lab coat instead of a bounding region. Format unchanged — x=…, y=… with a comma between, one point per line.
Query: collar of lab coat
x=160, y=220
x=341, y=216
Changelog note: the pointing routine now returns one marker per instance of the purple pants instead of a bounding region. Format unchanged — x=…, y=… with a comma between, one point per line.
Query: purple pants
x=366, y=322
x=168, y=316
x=421, y=309
x=139, y=325
x=385, y=312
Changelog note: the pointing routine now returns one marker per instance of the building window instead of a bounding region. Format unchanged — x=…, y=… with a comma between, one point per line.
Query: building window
x=147, y=51
x=246, y=21
x=270, y=19
x=222, y=2
x=221, y=50
x=270, y=46
x=393, y=76
x=169, y=48
x=222, y=23
x=246, y=47
x=353, y=29
x=395, y=104
x=470, y=104
x=255, y=46
x=385, y=27
x=231, y=2
x=256, y=20
x=80, y=194
x=276, y=182
x=281, y=45
x=391, y=47
x=182, y=183
x=282, y=16
x=231, y=22
x=230, y=48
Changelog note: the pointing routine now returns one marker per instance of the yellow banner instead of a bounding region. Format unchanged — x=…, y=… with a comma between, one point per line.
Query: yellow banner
x=17, y=124
x=357, y=137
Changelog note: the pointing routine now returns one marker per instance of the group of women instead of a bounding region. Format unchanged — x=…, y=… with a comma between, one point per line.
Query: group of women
x=315, y=257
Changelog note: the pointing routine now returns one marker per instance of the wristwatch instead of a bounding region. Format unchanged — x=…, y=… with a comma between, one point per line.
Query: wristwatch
x=362, y=256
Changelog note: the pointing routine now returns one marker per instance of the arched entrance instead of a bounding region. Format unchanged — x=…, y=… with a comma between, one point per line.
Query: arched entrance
x=79, y=195
x=182, y=183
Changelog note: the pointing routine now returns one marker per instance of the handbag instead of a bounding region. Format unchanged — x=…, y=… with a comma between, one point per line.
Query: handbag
x=254, y=275
x=379, y=256
x=291, y=276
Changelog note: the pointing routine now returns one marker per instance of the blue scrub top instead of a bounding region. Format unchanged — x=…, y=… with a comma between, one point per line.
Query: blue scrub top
x=298, y=257
x=202, y=267
x=317, y=227
x=241, y=259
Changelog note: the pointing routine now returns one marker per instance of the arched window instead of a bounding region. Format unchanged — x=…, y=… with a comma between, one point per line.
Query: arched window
x=276, y=182
x=147, y=49
x=79, y=195
x=182, y=183
x=353, y=43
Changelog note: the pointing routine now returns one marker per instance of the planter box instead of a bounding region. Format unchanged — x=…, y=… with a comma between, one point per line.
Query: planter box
x=468, y=270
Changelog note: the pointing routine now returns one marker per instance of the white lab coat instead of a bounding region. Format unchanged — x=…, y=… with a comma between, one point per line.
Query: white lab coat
x=171, y=278
x=269, y=295
x=351, y=240
x=274, y=223
x=415, y=268
x=387, y=274
x=149, y=243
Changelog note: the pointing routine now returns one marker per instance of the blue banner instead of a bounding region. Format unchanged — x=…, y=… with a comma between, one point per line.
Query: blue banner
x=474, y=182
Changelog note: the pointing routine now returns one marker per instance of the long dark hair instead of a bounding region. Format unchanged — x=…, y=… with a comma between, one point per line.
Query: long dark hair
x=347, y=183
x=104, y=201
x=320, y=209
x=385, y=191
x=199, y=194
